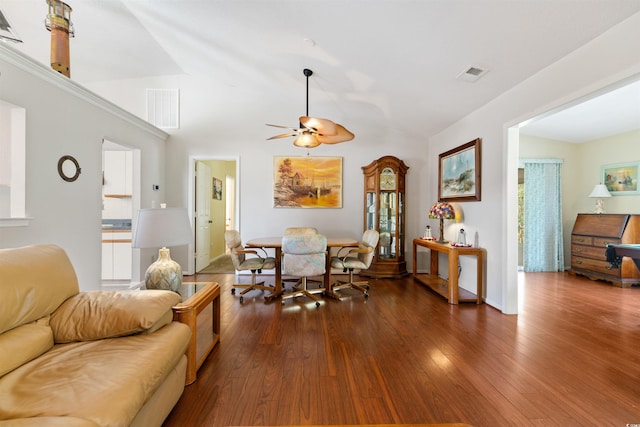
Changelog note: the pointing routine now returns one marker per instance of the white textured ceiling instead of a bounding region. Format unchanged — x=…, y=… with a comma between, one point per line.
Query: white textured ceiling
x=377, y=63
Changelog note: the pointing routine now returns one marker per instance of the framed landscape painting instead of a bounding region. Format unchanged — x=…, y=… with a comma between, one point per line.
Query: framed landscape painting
x=459, y=173
x=621, y=178
x=307, y=182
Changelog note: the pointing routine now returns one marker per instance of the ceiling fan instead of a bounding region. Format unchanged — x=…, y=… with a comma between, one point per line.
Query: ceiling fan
x=314, y=131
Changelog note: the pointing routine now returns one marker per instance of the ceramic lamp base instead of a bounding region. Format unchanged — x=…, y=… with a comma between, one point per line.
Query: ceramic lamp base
x=165, y=273
x=599, y=206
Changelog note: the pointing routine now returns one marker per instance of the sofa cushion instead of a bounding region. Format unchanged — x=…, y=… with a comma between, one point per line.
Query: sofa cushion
x=107, y=314
x=29, y=288
x=26, y=343
x=104, y=381
x=48, y=422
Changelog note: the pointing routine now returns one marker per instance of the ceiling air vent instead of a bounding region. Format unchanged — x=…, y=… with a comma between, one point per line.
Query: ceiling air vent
x=471, y=74
x=163, y=108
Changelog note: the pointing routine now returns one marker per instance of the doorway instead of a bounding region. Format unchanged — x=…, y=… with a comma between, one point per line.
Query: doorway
x=120, y=199
x=215, y=205
x=561, y=119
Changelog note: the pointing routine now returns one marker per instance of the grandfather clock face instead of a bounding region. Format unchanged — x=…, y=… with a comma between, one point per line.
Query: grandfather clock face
x=387, y=179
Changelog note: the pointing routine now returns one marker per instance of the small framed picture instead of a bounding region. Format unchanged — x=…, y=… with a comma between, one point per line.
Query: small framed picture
x=622, y=178
x=217, y=189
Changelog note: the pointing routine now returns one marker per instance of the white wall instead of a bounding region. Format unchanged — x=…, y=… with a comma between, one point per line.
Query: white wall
x=605, y=61
x=65, y=119
x=621, y=148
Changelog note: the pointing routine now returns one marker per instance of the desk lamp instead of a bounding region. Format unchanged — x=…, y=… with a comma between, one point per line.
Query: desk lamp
x=442, y=211
x=600, y=191
x=159, y=228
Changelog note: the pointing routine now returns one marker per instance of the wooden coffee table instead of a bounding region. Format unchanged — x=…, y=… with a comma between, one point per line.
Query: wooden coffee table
x=200, y=310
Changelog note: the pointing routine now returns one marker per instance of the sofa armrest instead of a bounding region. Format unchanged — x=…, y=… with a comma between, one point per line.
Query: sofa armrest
x=97, y=315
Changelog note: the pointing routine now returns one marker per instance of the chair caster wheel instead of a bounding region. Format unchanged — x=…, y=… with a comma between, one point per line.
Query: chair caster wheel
x=317, y=304
x=367, y=286
x=233, y=291
x=366, y=295
x=241, y=299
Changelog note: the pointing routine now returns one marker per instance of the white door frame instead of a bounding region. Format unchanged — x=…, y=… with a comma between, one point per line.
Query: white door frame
x=191, y=200
x=135, y=197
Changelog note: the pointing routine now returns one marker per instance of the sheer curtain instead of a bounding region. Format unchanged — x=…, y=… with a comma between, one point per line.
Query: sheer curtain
x=543, y=245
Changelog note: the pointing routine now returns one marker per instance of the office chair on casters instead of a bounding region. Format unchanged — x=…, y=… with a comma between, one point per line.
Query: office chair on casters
x=300, y=231
x=247, y=259
x=304, y=256
x=356, y=258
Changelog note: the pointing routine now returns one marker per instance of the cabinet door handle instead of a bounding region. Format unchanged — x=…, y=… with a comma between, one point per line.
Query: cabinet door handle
x=578, y=262
x=578, y=250
x=580, y=240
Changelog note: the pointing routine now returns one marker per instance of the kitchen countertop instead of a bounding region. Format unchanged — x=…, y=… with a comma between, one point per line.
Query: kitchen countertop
x=116, y=225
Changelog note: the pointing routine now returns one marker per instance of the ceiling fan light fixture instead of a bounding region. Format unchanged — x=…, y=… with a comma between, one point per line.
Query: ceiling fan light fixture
x=314, y=131
x=306, y=140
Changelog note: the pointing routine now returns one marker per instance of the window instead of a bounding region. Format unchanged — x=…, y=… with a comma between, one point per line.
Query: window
x=12, y=165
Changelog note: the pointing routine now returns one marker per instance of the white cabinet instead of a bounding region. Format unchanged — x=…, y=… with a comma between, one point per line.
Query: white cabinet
x=116, y=255
x=118, y=173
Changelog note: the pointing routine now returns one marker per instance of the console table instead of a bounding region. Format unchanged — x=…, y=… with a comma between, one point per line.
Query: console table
x=200, y=310
x=449, y=288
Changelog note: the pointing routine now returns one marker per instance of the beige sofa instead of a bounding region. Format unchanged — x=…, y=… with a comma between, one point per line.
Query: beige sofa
x=70, y=358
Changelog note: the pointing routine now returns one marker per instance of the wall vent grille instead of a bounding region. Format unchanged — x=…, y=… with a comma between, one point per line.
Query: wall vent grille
x=163, y=108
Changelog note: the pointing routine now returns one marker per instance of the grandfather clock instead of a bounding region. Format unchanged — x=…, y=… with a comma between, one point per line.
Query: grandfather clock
x=384, y=211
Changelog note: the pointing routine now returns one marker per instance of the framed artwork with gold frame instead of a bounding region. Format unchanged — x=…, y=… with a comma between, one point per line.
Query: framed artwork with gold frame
x=307, y=182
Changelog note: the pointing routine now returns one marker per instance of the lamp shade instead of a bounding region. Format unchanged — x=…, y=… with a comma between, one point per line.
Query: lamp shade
x=156, y=228
x=600, y=191
x=442, y=210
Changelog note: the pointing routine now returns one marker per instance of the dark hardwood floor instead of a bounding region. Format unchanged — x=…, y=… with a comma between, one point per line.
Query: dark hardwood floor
x=570, y=358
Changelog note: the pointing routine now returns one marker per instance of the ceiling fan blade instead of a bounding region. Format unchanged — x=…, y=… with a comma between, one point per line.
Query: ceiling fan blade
x=342, y=135
x=283, y=127
x=284, y=135
x=321, y=126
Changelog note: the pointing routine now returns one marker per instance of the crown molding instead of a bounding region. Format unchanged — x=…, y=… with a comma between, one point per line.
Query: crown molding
x=30, y=65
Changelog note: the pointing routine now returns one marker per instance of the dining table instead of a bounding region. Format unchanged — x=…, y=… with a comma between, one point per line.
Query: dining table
x=276, y=244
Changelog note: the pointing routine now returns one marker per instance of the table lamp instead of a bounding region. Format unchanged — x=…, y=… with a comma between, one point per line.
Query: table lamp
x=600, y=191
x=159, y=228
x=442, y=211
